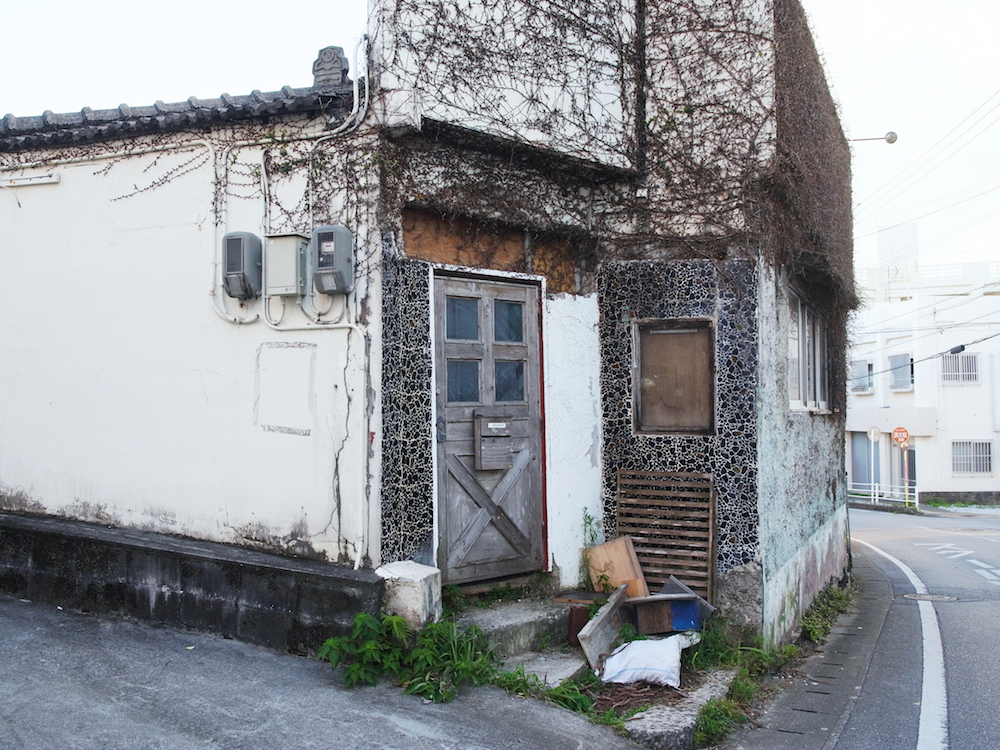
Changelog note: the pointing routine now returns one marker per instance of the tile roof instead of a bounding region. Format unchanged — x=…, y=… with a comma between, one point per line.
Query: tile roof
x=87, y=125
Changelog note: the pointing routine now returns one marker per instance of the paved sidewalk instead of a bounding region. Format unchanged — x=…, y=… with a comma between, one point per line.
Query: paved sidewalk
x=79, y=682
x=812, y=710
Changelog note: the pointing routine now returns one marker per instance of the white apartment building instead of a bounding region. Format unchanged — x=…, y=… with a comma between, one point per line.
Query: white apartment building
x=924, y=356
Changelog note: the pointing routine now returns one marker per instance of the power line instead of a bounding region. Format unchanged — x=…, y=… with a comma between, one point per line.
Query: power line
x=929, y=213
x=913, y=166
x=959, y=348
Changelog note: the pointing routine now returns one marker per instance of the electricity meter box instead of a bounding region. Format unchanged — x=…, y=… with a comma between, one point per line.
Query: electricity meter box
x=242, y=259
x=333, y=259
x=285, y=263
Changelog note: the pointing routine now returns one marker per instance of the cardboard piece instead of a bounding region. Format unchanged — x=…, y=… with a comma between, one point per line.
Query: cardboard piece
x=598, y=635
x=615, y=563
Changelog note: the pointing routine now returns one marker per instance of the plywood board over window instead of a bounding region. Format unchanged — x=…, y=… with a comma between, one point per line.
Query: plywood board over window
x=674, y=376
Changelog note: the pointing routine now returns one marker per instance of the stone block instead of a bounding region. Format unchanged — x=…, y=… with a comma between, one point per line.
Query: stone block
x=412, y=591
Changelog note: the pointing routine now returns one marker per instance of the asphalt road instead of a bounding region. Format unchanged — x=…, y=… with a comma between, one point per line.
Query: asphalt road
x=957, y=557
x=74, y=681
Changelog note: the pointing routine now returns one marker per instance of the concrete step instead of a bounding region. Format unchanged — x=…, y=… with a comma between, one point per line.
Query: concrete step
x=552, y=666
x=530, y=634
x=513, y=628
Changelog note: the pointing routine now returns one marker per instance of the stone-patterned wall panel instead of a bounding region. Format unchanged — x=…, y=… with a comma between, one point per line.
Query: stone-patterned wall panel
x=407, y=442
x=726, y=292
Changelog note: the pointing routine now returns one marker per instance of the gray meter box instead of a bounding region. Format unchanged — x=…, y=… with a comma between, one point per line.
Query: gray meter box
x=285, y=261
x=242, y=268
x=333, y=259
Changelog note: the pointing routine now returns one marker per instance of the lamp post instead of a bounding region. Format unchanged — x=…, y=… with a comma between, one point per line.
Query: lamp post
x=889, y=137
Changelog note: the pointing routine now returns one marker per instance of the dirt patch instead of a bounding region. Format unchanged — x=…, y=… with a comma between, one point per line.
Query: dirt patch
x=626, y=699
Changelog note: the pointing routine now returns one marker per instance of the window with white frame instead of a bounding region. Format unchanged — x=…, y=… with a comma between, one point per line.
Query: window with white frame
x=962, y=369
x=972, y=457
x=900, y=372
x=862, y=376
x=807, y=357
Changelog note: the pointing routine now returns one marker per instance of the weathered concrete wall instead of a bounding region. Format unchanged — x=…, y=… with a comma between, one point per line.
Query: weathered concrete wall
x=789, y=589
x=802, y=491
x=289, y=604
x=137, y=393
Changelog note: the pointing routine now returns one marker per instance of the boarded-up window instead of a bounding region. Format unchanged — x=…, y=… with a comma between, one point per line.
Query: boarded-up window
x=674, y=376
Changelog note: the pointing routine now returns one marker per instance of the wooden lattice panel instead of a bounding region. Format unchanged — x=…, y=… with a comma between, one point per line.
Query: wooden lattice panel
x=671, y=519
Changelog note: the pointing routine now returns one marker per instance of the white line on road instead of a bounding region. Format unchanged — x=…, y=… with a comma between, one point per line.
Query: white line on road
x=980, y=564
x=960, y=554
x=932, y=733
x=988, y=575
x=959, y=533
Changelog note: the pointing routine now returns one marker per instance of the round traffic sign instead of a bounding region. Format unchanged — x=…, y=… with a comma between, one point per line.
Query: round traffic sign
x=874, y=433
x=900, y=435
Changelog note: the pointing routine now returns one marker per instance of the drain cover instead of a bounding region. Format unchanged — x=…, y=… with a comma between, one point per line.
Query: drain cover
x=931, y=597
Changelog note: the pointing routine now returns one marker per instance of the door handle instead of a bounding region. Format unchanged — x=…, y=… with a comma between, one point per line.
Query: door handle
x=442, y=431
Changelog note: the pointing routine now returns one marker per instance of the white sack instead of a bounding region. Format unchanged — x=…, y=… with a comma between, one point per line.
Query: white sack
x=653, y=661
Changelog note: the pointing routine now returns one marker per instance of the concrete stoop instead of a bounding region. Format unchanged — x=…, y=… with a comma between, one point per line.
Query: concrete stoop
x=515, y=628
x=672, y=727
x=532, y=635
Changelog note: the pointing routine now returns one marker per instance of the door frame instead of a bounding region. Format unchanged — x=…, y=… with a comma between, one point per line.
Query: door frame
x=441, y=270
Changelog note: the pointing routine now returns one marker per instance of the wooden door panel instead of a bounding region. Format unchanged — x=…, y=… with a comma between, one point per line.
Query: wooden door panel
x=490, y=509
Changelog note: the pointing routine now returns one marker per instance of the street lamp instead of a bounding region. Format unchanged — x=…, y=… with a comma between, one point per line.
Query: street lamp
x=889, y=137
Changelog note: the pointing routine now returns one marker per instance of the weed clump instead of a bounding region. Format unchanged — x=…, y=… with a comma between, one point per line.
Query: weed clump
x=826, y=607
x=431, y=663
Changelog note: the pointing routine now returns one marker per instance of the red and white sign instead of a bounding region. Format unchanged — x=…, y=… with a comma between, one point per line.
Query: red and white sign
x=900, y=435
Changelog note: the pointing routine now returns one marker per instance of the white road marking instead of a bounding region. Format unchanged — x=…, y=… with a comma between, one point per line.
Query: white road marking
x=959, y=533
x=960, y=554
x=988, y=575
x=980, y=564
x=932, y=733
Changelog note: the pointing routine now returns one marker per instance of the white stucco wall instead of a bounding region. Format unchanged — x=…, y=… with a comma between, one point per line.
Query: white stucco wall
x=572, y=427
x=125, y=398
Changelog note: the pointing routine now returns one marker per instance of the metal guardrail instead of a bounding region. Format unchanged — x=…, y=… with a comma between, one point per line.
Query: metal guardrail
x=866, y=492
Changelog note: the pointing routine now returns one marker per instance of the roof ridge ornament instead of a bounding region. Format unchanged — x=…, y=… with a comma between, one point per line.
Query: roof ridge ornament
x=330, y=68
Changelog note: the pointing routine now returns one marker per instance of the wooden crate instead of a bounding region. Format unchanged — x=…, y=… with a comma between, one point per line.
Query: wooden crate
x=670, y=517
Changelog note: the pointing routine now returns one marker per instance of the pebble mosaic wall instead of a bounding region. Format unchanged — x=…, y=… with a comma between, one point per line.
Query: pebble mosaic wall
x=726, y=292
x=407, y=440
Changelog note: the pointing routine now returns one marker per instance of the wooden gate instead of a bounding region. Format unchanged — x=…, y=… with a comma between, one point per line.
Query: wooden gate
x=671, y=519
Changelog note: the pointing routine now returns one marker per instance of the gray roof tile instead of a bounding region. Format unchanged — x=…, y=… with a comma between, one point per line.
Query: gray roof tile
x=52, y=129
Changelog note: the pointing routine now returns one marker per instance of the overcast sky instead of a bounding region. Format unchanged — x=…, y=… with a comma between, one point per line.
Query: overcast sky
x=930, y=74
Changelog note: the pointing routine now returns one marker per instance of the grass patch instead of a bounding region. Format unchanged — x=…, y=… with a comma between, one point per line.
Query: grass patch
x=826, y=607
x=947, y=504
x=716, y=720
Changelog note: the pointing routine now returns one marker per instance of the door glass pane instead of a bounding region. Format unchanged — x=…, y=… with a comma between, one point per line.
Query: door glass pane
x=510, y=381
x=463, y=318
x=507, y=321
x=463, y=381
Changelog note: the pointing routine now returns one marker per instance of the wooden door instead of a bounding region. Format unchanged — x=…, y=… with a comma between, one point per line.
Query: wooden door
x=488, y=429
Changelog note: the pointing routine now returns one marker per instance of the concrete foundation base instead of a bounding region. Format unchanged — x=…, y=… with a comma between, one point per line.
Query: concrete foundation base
x=285, y=603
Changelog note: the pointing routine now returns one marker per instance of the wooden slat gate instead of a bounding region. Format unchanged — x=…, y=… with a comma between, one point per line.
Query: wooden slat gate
x=671, y=519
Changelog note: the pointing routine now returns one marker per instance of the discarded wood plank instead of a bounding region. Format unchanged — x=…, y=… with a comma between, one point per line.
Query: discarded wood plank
x=579, y=597
x=614, y=563
x=600, y=633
